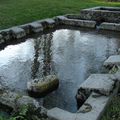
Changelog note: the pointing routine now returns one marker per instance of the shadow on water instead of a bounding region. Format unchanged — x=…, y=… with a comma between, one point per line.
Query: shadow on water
x=71, y=54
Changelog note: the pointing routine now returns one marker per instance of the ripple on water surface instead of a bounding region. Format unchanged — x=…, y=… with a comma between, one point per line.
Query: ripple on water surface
x=71, y=54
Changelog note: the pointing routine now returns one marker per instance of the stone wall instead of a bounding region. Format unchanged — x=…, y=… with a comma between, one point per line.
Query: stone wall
x=105, y=14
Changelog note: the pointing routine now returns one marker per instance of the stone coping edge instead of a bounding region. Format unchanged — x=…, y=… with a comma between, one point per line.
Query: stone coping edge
x=22, y=31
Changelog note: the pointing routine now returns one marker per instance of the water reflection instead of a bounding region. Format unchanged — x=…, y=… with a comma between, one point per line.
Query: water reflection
x=71, y=54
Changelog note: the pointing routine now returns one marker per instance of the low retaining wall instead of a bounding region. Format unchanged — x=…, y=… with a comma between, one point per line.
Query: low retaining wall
x=107, y=14
x=87, y=18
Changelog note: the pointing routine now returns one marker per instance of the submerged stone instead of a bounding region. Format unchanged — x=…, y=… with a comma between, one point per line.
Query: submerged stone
x=40, y=88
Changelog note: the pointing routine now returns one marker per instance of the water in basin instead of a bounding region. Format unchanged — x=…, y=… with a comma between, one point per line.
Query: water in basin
x=71, y=54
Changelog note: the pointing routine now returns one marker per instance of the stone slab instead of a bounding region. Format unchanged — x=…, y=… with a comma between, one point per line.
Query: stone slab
x=79, y=23
x=112, y=60
x=36, y=27
x=93, y=108
x=101, y=83
x=110, y=26
x=59, y=114
x=18, y=32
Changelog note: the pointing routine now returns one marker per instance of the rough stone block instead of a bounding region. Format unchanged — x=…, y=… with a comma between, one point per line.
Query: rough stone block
x=26, y=27
x=112, y=60
x=79, y=23
x=36, y=27
x=101, y=83
x=110, y=26
x=18, y=32
x=6, y=34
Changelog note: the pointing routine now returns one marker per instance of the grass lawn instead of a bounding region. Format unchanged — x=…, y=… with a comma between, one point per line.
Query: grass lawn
x=16, y=12
x=113, y=111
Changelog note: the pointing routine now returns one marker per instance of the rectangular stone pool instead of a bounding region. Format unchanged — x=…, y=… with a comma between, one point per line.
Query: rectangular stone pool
x=70, y=53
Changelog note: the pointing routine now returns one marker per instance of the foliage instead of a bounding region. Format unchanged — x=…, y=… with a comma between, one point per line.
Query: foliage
x=113, y=111
x=26, y=112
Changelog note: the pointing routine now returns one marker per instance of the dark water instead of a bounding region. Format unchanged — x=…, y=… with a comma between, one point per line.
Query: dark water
x=71, y=54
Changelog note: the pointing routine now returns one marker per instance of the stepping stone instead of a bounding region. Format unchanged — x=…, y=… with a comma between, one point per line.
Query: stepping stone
x=18, y=32
x=36, y=27
x=101, y=83
x=112, y=60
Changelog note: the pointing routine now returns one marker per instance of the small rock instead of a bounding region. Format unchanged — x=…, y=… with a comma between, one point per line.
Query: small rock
x=40, y=88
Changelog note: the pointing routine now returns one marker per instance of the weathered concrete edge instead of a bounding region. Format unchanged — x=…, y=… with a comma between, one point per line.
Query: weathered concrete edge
x=59, y=114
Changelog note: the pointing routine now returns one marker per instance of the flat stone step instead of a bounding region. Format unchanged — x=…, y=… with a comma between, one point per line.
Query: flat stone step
x=112, y=60
x=101, y=83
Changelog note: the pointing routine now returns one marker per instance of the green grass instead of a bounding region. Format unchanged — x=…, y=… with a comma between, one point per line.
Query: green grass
x=16, y=12
x=113, y=111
